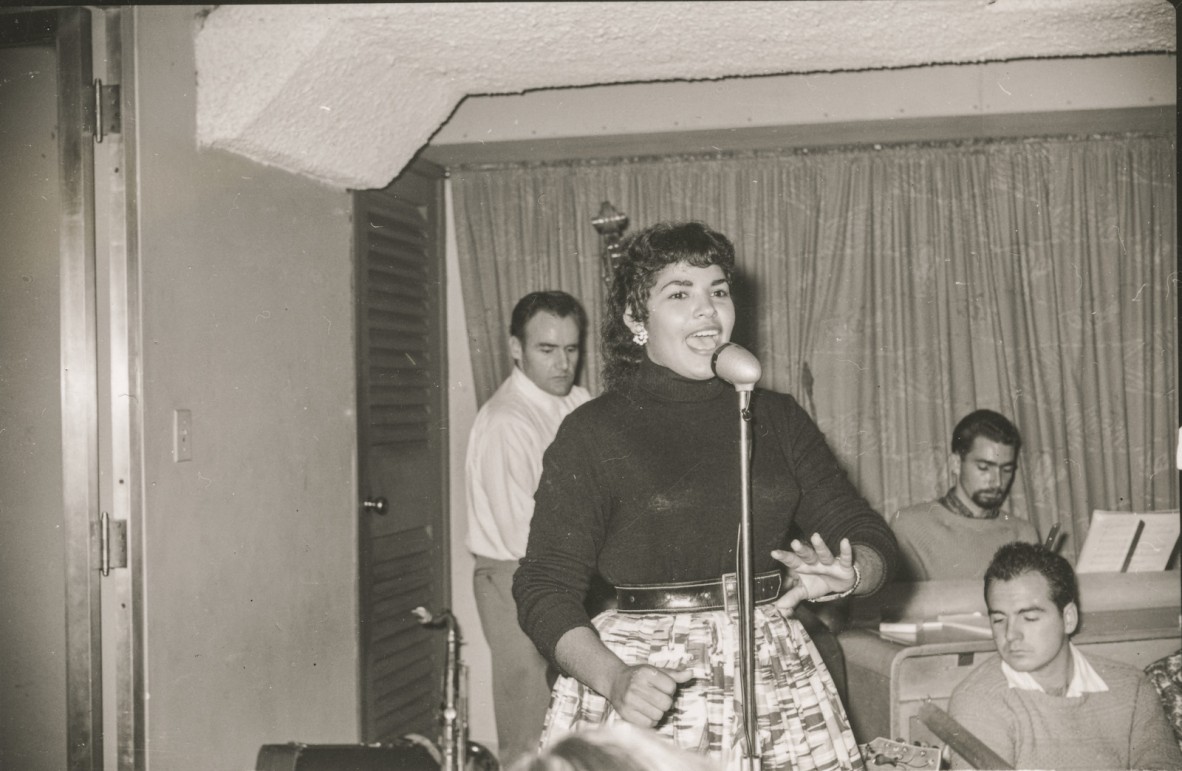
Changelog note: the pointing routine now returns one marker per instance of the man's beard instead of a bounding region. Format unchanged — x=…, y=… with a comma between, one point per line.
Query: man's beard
x=989, y=499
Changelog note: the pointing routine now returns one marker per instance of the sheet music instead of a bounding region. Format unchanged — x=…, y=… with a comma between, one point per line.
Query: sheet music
x=1141, y=540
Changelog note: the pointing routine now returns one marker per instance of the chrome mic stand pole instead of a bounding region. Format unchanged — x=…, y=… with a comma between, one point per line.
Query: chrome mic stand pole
x=740, y=368
x=746, y=586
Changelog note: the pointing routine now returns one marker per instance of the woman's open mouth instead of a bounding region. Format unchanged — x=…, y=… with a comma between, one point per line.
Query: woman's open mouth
x=705, y=341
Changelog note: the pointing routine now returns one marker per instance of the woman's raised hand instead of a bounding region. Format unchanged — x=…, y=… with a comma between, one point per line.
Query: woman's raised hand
x=642, y=694
x=814, y=571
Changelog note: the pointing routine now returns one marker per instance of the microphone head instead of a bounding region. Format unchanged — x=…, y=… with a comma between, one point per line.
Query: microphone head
x=737, y=366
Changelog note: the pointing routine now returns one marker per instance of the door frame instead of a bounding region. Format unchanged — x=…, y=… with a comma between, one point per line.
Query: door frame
x=120, y=390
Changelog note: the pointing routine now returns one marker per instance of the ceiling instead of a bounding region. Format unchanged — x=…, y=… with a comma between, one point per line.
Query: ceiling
x=348, y=94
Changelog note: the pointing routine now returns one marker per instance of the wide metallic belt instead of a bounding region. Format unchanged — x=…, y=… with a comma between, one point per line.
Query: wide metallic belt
x=718, y=594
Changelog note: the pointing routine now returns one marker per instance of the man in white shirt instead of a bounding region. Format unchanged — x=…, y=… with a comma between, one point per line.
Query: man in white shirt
x=1040, y=703
x=504, y=463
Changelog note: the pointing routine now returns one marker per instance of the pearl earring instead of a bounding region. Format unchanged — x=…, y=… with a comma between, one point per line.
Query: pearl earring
x=640, y=336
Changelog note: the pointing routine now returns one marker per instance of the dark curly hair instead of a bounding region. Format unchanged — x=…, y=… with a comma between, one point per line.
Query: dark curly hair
x=1019, y=558
x=992, y=425
x=644, y=254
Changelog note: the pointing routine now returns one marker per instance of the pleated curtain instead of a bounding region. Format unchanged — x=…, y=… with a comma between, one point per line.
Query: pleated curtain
x=894, y=289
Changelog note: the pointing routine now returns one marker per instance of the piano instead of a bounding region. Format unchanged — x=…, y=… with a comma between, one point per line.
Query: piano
x=898, y=655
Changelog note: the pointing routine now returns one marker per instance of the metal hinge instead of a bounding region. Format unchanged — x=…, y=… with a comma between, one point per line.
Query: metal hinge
x=107, y=116
x=112, y=543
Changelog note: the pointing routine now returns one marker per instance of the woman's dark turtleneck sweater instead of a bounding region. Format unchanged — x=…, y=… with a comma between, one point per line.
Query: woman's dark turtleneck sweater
x=642, y=484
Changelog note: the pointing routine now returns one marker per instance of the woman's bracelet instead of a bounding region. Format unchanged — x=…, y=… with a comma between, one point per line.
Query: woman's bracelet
x=838, y=595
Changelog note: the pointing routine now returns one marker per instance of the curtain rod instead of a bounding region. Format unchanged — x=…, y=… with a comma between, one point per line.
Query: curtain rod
x=972, y=143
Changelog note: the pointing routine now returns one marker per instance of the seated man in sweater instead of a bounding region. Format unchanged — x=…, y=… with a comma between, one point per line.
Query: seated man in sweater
x=954, y=536
x=1040, y=703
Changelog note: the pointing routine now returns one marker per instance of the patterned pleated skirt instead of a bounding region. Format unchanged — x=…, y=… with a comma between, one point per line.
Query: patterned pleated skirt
x=801, y=722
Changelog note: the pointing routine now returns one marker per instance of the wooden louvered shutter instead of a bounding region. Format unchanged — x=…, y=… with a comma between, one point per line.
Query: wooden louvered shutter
x=402, y=451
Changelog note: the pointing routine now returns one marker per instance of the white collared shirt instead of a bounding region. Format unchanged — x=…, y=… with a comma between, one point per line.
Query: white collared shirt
x=504, y=462
x=1084, y=679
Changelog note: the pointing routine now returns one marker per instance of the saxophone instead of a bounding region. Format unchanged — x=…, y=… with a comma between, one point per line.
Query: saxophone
x=454, y=751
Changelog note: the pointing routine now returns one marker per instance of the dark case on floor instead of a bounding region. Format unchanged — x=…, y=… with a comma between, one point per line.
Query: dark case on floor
x=403, y=756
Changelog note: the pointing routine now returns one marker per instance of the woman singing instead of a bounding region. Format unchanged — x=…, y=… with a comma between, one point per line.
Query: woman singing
x=642, y=485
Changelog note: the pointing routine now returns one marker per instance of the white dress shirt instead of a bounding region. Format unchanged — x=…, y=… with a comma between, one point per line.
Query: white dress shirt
x=504, y=462
x=1084, y=679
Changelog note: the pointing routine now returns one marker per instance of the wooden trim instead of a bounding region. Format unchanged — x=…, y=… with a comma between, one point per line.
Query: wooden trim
x=715, y=141
x=126, y=446
x=79, y=362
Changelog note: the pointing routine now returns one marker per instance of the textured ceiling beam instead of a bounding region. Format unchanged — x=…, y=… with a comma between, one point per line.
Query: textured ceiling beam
x=348, y=94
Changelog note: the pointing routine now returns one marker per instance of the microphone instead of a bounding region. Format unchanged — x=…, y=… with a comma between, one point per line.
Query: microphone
x=737, y=366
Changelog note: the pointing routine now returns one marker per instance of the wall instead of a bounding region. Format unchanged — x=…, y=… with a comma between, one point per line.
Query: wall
x=33, y=703
x=461, y=413
x=623, y=118
x=818, y=99
x=250, y=547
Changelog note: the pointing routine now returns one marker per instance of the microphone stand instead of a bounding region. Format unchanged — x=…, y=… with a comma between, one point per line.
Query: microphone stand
x=741, y=369
x=746, y=584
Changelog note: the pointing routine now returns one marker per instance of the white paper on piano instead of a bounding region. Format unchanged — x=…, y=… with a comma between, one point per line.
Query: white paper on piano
x=907, y=631
x=1127, y=541
x=973, y=623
